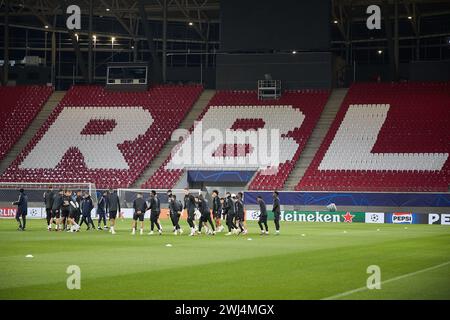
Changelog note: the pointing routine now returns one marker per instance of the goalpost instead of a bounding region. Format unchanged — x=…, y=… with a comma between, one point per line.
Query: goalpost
x=126, y=196
x=35, y=190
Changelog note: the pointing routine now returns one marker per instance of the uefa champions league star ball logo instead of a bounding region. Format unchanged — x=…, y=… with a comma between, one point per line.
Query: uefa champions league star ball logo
x=255, y=215
x=374, y=217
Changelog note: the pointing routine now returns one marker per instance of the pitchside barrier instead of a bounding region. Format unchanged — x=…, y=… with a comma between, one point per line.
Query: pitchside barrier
x=366, y=199
x=356, y=217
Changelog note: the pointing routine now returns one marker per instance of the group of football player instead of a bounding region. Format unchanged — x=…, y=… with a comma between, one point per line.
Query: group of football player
x=228, y=209
x=67, y=210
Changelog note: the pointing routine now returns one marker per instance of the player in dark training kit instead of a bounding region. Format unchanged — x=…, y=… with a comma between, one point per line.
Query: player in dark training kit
x=175, y=208
x=86, y=208
x=217, y=210
x=155, y=210
x=48, y=201
x=239, y=210
x=114, y=208
x=56, y=209
x=189, y=205
x=78, y=198
x=276, y=212
x=74, y=213
x=65, y=208
x=139, y=206
x=205, y=217
x=262, y=216
x=22, y=209
x=229, y=211
x=102, y=208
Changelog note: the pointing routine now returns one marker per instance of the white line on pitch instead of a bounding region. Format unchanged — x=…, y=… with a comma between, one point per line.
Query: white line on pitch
x=343, y=294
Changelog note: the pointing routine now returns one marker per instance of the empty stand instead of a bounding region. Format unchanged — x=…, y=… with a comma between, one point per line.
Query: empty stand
x=294, y=116
x=19, y=107
x=108, y=138
x=386, y=137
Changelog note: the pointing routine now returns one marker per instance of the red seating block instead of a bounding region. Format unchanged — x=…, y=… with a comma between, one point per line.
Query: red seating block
x=19, y=106
x=310, y=102
x=167, y=105
x=417, y=122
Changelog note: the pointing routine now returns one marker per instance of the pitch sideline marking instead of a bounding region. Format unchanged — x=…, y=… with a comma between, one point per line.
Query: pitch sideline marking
x=346, y=293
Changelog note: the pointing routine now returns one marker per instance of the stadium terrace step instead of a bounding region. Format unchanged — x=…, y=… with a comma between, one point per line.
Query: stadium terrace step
x=186, y=124
x=294, y=116
x=317, y=136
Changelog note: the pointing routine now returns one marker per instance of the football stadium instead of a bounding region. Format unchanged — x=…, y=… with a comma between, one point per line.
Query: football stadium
x=225, y=151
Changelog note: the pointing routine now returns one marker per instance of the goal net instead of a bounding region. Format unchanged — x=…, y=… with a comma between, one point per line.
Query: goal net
x=127, y=196
x=9, y=191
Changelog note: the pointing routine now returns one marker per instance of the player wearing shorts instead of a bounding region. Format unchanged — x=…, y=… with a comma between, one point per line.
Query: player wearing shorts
x=56, y=209
x=74, y=212
x=205, y=217
x=113, y=208
x=139, y=206
x=65, y=208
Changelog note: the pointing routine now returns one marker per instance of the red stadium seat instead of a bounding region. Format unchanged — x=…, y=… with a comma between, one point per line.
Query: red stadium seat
x=95, y=110
x=408, y=153
x=19, y=107
x=243, y=111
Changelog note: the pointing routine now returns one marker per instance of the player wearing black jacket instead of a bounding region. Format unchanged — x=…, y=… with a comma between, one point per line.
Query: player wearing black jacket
x=65, y=207
x=262, y=216
x=102, y=208
x=77, y=213
x=276, y=211
x=86, y=208
x=189, y=206
x=113, y=209
x=239, y=210
x=217, y=210
x=175, y=208
x=229, y=212
x=56, y=209
x=22, y=209
x=48, y=201
x=139, y=206
x=205, y=217
x=74, y=212
x=155, y=210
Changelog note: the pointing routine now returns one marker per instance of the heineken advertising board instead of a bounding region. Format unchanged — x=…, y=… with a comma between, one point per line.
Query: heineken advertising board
x=313, y=216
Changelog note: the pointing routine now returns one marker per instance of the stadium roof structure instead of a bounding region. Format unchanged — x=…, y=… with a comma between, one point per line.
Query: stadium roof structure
x=188, y=29
x=199, y=12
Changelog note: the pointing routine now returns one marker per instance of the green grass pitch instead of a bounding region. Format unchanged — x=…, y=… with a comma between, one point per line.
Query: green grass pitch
x=307, y=261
